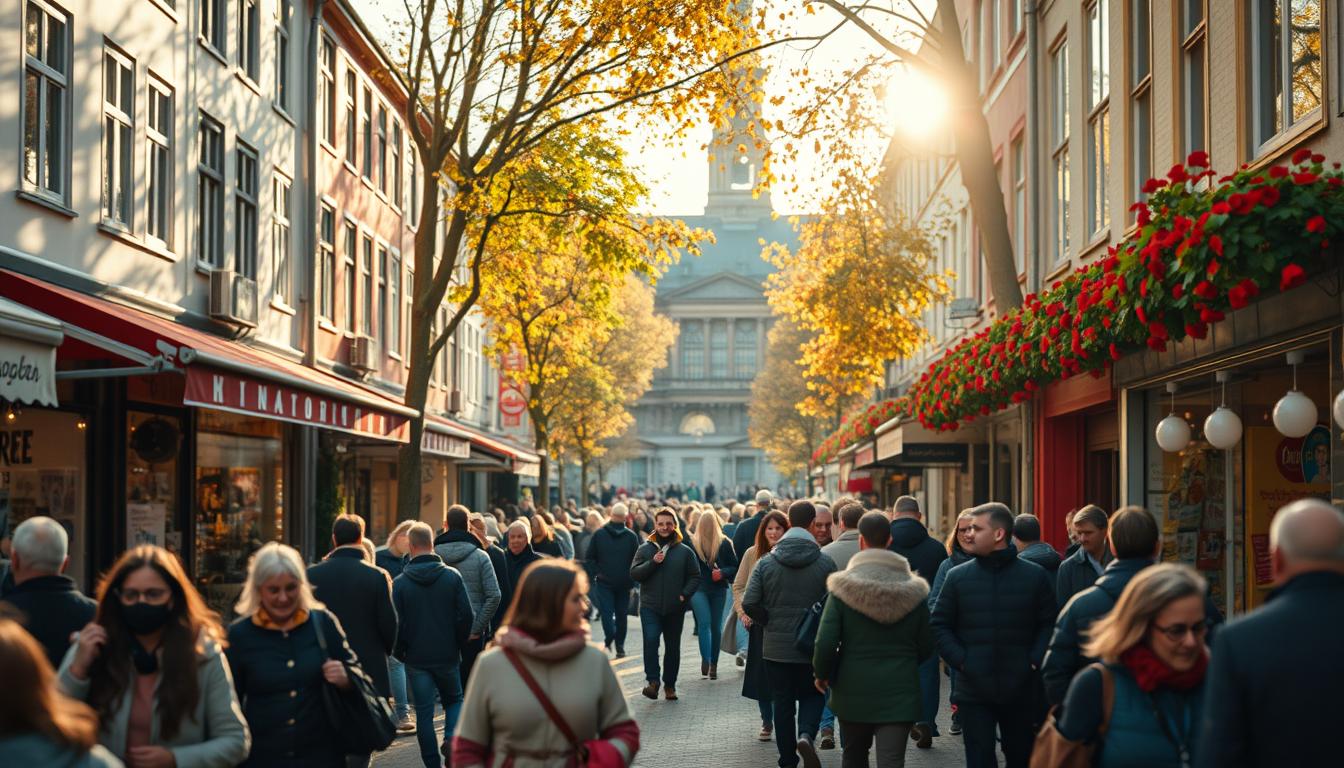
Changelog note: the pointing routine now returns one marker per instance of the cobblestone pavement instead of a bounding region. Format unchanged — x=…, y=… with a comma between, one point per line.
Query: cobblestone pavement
x=710, y=726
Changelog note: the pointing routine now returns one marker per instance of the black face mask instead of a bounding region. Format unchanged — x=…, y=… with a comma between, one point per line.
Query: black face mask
x=146, y=662
x=144, y=619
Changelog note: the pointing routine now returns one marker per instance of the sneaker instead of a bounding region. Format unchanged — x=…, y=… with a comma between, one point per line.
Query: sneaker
x=651, y=691
x=767, y=732
x=406, y=725
x=808, y=753
x=922, y=735
x=826, y=739
x=955, y=728
x=741, y=659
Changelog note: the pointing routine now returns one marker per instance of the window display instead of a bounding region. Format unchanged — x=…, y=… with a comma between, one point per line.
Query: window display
x=153, y=446
x=42, y=473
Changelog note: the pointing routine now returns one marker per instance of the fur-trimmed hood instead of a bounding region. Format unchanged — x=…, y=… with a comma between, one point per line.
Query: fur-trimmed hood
x=878, y=584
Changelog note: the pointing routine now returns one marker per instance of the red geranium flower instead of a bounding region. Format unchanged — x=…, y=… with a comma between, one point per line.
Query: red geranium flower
x=1301, y=156
x=1157, y=329
x=1305, y=177
x=1177, y=173
x=1221, y=208
x=1197, y=330
x=1215, y=245
x=1177, y=291
x=1152, y=185
x=1278, y=172
x=1199, y=159
x=1205, y=290
x=1269, y=196
x=1316, y=224
x=1291, y=277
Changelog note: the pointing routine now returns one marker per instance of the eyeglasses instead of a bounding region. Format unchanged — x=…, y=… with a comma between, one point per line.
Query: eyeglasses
x=1177, y=632
x=153, y=596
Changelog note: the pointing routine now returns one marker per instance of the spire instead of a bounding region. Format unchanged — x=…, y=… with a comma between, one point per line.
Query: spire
x=734, y=161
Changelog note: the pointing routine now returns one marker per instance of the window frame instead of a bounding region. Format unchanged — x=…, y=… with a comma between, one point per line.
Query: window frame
x=1191, y=44
x=212, y=30
x=326, y=254
x=282, y=265
x=351, y=118
x=1018, y=163
x=1061, y=178
x=117, y=157
x=246, y=224
x=350, y=265
x=210, y=174
x=284, y=15
x=163, y=145
x=1098, y=92
x=1139, y=136
x=366, y=297
x=326, y=89
x=47, y=75
x=249, y=40
x=367, y=134
x=398, y=178
x=1288, y=127
x=394, y=303
x=380, y=159
x=687, y=356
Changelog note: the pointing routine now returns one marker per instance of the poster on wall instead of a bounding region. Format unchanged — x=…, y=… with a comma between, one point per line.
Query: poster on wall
x=1192, y=518
x=145, y=524
x=1279, y=470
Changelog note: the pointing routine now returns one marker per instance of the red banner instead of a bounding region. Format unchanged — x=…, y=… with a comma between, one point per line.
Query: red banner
x=223, y=391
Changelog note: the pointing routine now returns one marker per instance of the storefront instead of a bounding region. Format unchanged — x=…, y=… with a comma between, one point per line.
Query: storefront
x=1077, y=451
x=934, y=467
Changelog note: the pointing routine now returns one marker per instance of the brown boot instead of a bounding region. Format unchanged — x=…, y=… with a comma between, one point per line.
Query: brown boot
x=651, y=691
x=713, y=671
x=704, y=669
x=669, y=693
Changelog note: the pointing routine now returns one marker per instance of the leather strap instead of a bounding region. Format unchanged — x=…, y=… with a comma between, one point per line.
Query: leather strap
x=543, y=699
x=1107, y=697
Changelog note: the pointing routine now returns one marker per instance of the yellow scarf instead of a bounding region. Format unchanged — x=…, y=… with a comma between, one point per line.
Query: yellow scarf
x=263, y=619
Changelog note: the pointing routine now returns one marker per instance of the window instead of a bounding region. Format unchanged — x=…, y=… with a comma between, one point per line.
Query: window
x=408, y=299
x=368, y=133
x=446, y=353
x=962, y=265
x=1098, y=116
x=1141, y=98
x=366, y=279
x=1194, y=109
x=415, y=185
x=46, y=100
x=744, y=349
x=249, y=34
x=326, y=245
x=214, y=20
x=280, y=261
x=718, y=349
x=1286, y=87
x=118, y=137
x=160, y=187
x=349, y=276
x=283, y=14
x=746, y=471
x=1019, y=159
x=210, y=193
x=326, y=90
x=394, y=303
x=351, y=147
x=245, y=211
x=381, y=179
x=380, y=309
x=692, y=471
x=397, y=177
x=692, y=349
x=1059, y=105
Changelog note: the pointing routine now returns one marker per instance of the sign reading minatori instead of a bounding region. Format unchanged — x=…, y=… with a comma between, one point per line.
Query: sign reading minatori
x=27, y=372
x=211, y=388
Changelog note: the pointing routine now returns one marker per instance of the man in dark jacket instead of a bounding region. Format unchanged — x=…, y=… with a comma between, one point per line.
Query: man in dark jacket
x=611, y=550
x=51, y=607
x=745, y=535
x=1082, y=569
x=1275, y=675
x=479, y=527
x=911, y=540
x=668, y=574
x=783, y=587
x=1027, y=539
x=435, y=620
x=459, y=548
x=992, y=622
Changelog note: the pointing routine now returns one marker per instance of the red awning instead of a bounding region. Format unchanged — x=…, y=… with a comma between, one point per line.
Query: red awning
x=859, y=482
x=220, y=374
x=456, y=429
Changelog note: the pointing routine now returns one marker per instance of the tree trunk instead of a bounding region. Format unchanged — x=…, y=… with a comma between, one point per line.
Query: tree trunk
x=560, y=478
x=583, y=479
x=409, y=486
x=541, y=443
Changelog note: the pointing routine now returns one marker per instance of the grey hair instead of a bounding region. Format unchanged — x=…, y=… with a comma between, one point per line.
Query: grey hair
x=420, y=535
x=523, y=524
x=274, y=559
x=619, y=511
x=906, y=505
x=42, y=544
x=1303, y=531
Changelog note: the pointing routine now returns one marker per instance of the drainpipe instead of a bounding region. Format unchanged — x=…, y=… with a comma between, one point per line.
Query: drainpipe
x=1030, y=12
x=310, y=166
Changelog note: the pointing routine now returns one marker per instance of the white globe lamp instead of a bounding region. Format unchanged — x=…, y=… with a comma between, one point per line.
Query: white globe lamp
x=1295, y=414
x=1173, y=433
x=1339, y=409
x=1223, y=427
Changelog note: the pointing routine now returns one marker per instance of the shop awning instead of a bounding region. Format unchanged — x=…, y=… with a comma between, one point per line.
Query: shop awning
x=220, y=374
x=28, y=342
x=859, y=482
x=511, y=454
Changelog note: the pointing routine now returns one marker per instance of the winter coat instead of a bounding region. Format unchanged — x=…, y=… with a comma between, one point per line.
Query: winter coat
x=1076, y=574
x=461, y=550
x=549, y=547
x=278, y=674
x=501, y=567
x=1278, y=671
x=911, y=540
x=957, y=557
x=389, y=561
x=726, y=560
x=1043, y=555
x=581, y=541
x=213, y=735
x=744, y=567
x=610, y=553
x=744, y=536
x=33, y=749
x=1064, y=657
x=874, y=633
x=665, y=588
x=992, y=622
x=361, y=597
x=565, y=540
x=51, y=608
x=783, y=587
x=502, y=724
x=518, y=563
x=1134, y=736
x=842, y=549
x=434, y=613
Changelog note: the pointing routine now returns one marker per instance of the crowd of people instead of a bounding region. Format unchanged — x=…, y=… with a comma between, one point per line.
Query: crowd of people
x=843, y=620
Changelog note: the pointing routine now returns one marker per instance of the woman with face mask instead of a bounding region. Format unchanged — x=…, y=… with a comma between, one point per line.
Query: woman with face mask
x=152, y=665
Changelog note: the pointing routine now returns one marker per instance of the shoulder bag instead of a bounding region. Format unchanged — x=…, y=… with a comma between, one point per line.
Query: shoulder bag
x=805, y=637
x=586, y=753
x=1052, y=750
x=361, y=717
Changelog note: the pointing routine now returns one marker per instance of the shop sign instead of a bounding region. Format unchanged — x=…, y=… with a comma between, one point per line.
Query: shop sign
x=525, y=468
x=440, y=444
x=890, y=443
x=27, y=372
x=930, y=454
x=210, y=388
x=512, y=403
x=865, y=456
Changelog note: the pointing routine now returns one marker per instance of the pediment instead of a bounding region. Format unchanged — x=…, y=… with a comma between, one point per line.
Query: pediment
x=718, y=287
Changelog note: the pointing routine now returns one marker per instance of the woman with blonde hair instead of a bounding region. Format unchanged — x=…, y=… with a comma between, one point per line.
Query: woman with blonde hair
x=544, y=540
x=1151, y=647
x=718, y=565
x=754, y=684
x=392, y=557
x=280, y=665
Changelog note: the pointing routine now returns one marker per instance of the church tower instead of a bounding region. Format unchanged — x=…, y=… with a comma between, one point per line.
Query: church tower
x=733, y=173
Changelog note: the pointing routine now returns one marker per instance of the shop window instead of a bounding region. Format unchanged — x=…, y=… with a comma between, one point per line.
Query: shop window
x=153, y=445
x=42, y=473
x=1285, y=84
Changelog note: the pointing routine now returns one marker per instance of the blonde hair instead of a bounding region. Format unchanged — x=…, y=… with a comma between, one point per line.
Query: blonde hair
x=274, y=559
x=693, y=516
x=1146, y=595
x=708, y=536
x=540, y=530
x=400, y=530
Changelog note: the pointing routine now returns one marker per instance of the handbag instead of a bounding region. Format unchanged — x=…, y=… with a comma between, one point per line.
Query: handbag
x=361, y=717
x=805, y=637
x=1052, y=750
x=594, y=753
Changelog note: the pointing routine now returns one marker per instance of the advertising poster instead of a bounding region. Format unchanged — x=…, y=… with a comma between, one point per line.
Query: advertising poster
x=145, y=524
x=1279, y=470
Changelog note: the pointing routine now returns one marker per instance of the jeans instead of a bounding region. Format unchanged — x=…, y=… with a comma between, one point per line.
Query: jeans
x=396, y=673
x=668, y=628
x=707, y=605
x=425, y=682
x=827, y=718
x=978, y=721
x=891, y=739
x=929, y=685
x=613, y=605
x=791, y=685
x=742, y=638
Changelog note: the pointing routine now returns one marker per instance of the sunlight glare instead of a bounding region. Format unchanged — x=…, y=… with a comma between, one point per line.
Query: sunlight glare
x=916, y=104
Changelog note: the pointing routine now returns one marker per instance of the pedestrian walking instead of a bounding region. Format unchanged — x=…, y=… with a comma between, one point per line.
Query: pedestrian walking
x=755, y=683
x=1151, y=647
x=718, y=565
x=1276, y=674
x=49, y=604
x=391, y=557
x=151, y=664
x=544, y=540
x=435, y=621
x=1082, y=569
x=1027, y=539
x=667, y=574
x=38, y=725
x=821, y=525
x=911, y=540
x=992, y=622
x=745, y=534
x=592, y=522
x=956, y=555
x=542, y=692
x=279, y=665
x=846, y=544
x=480, y=527
x=459, y=548
x=873, y=637
x=520, y=553
x=610, y=553
x=782, y=589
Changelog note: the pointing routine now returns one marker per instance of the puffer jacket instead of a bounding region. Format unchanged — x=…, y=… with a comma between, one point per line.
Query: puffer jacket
x=34, y=749
x=1043, y=555
x=433, y=611
x=911, y=540
x=611, y=550
x=783, y=586
x=992, y=622
x=1064, y=656
x=957, y=557
x=665, y=588
x=461, y=550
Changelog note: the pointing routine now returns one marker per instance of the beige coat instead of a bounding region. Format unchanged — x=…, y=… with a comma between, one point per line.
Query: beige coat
x=744, y=567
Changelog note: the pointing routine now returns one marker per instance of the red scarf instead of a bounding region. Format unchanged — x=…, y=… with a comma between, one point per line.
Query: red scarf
x=1150, y=672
